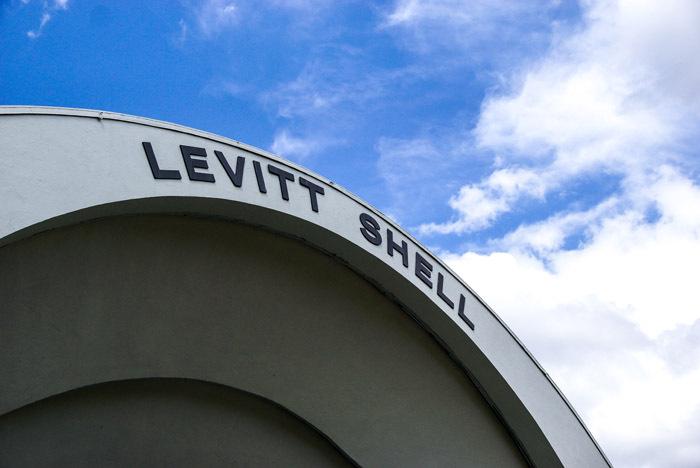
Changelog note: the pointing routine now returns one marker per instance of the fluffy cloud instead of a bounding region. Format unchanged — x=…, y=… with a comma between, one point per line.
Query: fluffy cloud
x=292, y=147
x=604, y=294
x=615, y=322
x=480, y=204
x=605, y=100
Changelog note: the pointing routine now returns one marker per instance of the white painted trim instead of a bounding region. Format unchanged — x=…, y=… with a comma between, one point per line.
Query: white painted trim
x=46, y=153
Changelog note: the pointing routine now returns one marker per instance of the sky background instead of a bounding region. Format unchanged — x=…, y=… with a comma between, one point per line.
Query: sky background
x=547, y=150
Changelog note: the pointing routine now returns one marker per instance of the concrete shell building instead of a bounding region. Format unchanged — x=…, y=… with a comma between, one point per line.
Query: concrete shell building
x=170, y=297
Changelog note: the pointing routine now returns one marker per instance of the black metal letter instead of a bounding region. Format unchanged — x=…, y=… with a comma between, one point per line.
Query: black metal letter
x=441, y=293
x=157, y=172
x=423, y=270
x=370, y=229
x=283, y=176
x=391, y=246
x=461, y=313
x=235, y=176
x=193, y=164
x=313, y=190
x=259, y=177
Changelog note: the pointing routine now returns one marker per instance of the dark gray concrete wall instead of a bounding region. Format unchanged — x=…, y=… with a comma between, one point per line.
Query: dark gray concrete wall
x=142, y=297
x=159, y=423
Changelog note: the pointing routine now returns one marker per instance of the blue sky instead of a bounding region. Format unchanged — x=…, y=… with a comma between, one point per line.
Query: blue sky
x=332, y=85
x=547, y=150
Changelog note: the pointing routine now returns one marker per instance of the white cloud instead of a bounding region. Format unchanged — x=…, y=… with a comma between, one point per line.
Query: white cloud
x=340, y=79
x=479, y=204
x=300, y=147
x=544, y=237
x=415, y=173
x=427, y=25
x=460, y=12
x=607, y=99
x=47, y=14
x=183, y=31
x=615, y=319
x=292, y=147
x=304, y=5
x=45, y=18
x=615, y=322
x=213, y=16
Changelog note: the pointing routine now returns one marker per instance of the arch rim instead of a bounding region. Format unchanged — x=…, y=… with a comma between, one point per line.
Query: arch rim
x=445, y=342
x=297, y=417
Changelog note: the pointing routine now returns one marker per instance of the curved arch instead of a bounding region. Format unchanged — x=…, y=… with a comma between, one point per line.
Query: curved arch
x=111, y=149
x=178, y=296
x=273, y=412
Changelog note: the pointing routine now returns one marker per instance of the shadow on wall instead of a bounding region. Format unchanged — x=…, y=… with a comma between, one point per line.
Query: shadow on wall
x=160, y=422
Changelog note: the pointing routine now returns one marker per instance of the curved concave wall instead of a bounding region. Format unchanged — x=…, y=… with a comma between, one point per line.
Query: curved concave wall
x=160, y=422
x=66, y=166
x=180, y=297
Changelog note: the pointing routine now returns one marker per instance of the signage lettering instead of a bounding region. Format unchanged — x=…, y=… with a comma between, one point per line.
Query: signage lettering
x=195, y=160
x=423, y=269
x=313, y=191
x=283, y=176
x=158, y=173
x=235, y=176
x=259, y=177
x=192, y=164
x=196, y=166
x=370, y=229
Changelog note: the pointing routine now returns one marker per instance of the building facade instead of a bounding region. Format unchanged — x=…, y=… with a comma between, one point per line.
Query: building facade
x=170, y=297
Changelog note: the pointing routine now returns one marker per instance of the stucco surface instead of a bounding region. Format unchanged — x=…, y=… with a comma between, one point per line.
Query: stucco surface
x=66, y=166
x=160, y=423
x=182, y=297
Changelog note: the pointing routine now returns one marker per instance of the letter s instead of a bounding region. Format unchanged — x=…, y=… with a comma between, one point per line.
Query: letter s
x=370, y=229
